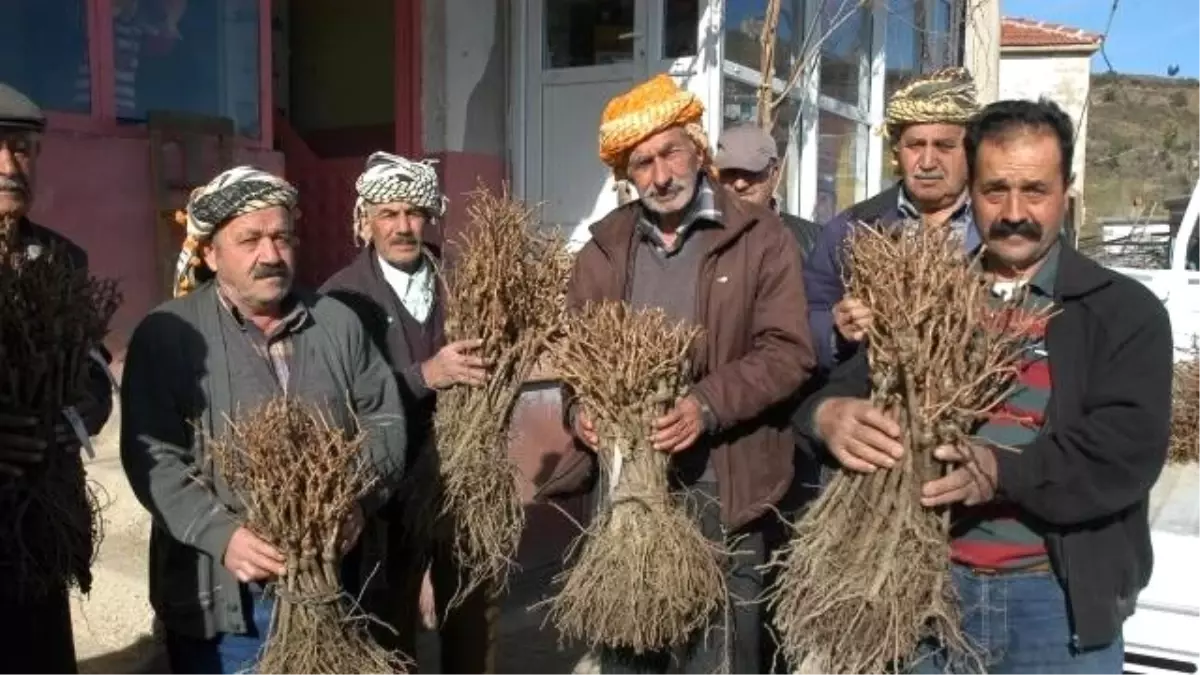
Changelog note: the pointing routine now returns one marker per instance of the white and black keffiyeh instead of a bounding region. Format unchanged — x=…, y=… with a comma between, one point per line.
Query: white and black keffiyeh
x=391, y=178
x=232, y=193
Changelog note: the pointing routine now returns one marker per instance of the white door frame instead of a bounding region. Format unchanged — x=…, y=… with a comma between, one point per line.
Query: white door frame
x=697, y=73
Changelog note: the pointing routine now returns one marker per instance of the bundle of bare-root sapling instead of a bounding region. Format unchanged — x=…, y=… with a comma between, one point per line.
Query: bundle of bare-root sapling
x=299, y=478
x=1185, y=410
x=506, y=287
x=52, y=318
x=866, y=575
x=643, y=576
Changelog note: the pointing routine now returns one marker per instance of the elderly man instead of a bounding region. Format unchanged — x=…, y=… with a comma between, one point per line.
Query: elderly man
x=1052, y=542
x=925, y=121
x=35, y=631
x=392, y=287
x=693, y=249
x=748, y=163
x=237, y=335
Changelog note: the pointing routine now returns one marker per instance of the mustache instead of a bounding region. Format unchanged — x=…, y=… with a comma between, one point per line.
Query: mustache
x=930, y=175
x=407, y=239
x=1003, y=229
x=666, y=192
x=269, y=271
x=11, y=184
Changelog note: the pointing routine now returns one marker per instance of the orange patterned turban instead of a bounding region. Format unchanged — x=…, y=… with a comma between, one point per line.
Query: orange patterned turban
x=647, y=109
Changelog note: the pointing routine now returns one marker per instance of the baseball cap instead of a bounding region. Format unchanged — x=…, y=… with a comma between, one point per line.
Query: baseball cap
x=747, y=147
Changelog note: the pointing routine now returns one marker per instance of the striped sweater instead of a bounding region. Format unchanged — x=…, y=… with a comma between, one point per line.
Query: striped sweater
x=999, y=535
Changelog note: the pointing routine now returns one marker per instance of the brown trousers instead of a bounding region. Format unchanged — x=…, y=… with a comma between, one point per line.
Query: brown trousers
x=467, y=634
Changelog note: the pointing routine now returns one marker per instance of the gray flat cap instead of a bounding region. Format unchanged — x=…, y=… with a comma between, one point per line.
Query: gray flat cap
x=746, y=147
x=17, y=111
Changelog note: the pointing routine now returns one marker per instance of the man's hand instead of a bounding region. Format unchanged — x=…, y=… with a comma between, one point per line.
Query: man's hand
x=852, y=319
x=352, y=529
x=427, y=603
x=21, y=447
x=972, y=482
x=584, y=430
x=455, y=364
x=679, y=429
x=252, y=559
x=859, y=435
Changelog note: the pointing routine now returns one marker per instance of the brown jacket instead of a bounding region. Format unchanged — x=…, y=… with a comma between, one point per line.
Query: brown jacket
x=755, y=353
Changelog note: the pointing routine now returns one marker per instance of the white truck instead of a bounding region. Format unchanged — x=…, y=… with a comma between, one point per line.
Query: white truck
x=1163, y=635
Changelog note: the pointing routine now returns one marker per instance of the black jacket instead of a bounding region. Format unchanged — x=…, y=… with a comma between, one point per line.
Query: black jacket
x=805, y=232
x=1087, y=477
x=99, y=385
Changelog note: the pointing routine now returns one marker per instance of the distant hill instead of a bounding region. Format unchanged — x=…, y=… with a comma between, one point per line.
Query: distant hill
x=1143, y=140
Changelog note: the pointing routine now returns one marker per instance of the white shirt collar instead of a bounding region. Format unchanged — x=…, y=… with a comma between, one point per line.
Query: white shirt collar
x=415, y=290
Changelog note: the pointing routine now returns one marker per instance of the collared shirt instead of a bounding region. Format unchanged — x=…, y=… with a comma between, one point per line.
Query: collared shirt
x=703, y=208
x=275, y=347
x=414, y=290
x=962, y=220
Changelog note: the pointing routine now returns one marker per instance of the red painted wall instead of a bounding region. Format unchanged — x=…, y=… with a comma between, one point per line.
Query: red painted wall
x=95, y=189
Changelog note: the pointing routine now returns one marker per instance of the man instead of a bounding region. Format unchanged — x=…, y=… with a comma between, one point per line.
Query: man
x=392, y=287
x=242, y=335
x=748, y=163
x=1051, y=543
x=925, y=121
x=43, y=620
x=693, y=249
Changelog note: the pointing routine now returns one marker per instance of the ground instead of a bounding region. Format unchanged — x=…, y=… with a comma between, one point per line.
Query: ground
x=113, y=625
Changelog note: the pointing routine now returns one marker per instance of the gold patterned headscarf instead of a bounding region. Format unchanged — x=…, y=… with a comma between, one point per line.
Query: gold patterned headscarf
x=648, y=109
x=943, y=97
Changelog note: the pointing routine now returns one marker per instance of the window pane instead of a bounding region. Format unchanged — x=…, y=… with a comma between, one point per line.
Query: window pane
x=744, y=20
x=44, y=53
x=193, y=57
x=941, y=50
x=846, y=52
x=838, y=170
x=902, y=51
x=680, y=24
x=588, y=33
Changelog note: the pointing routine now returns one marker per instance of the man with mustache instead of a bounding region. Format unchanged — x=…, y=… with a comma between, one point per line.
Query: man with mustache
x=237, y=335
x=1051, y=542
x=925, y=121
x=35, y=632
x=393, y=287
x=693, y=249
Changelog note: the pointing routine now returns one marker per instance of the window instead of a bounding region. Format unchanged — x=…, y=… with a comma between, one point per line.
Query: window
x=903, y=46
x=940, y=47
x=744, y=21
x=582, y=33
x=44, y=53
x=845, y=26
x=839, y=171
x=680, y=19
x=196, y=57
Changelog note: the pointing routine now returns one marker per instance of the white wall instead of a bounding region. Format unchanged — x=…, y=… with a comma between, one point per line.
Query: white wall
x=465, y=77
x=1064, y=78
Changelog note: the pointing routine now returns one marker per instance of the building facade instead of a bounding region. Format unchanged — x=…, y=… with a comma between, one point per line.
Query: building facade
x=148, y=98
x=1044, y=59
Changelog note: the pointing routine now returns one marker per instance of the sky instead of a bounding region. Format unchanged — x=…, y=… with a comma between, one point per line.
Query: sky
x=1147, y=36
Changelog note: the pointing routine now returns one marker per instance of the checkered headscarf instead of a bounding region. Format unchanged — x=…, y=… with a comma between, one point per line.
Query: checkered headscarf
x=391, y=178
x=233, y=193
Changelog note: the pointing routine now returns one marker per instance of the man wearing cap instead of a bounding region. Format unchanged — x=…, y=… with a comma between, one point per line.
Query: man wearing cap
x=691, y=248
x=392, y=287
x=925, y=122
x=748, y=163
x=237, y=335
x=35, y=632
